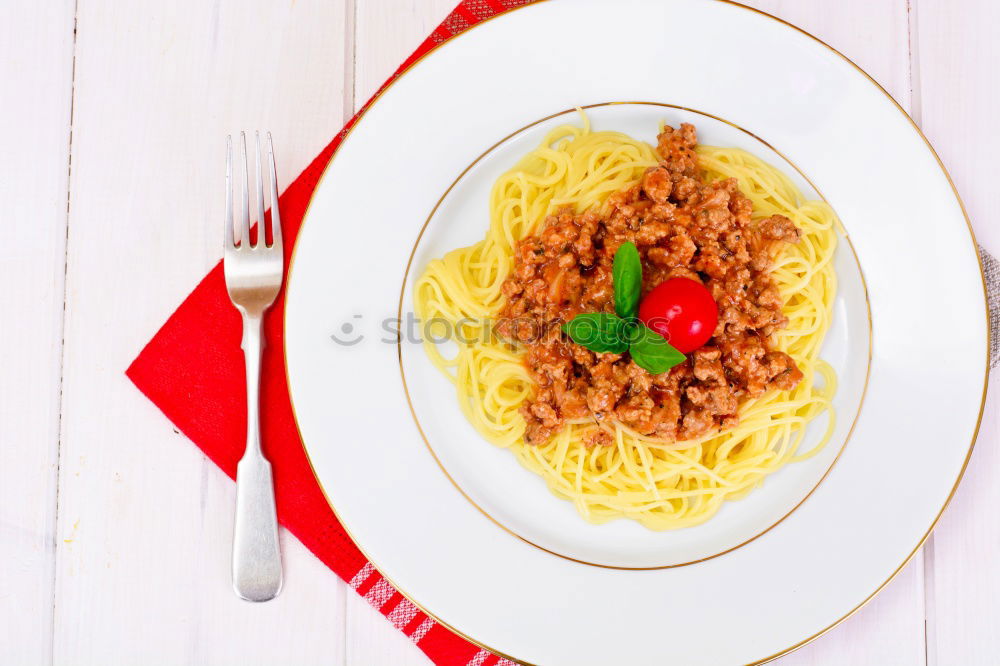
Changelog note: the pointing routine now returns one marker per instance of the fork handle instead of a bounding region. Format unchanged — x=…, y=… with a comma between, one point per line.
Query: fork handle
x=256, y=555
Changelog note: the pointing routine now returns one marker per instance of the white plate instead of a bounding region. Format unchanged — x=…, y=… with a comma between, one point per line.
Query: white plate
x=808, y=564
x=494, y=480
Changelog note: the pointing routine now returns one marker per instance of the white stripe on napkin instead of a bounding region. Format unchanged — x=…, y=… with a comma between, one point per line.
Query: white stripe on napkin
x=380, y=593
x=362, y=575
x=478, y=658
x=422, y=630
x=402, y=613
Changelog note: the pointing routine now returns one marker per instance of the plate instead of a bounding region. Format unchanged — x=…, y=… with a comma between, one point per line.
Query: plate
x=493, y=480
x=477, y=541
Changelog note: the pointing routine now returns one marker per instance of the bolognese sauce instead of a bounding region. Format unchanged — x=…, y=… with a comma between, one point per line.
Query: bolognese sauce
x=682, y=227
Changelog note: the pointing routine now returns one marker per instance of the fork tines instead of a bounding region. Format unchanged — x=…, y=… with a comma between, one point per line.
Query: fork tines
x=238, y=237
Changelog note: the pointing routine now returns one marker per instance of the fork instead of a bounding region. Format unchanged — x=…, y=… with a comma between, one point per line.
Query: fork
x=253, y=279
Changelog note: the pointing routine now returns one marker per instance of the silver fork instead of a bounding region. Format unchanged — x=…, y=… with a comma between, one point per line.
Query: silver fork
x=253, y=278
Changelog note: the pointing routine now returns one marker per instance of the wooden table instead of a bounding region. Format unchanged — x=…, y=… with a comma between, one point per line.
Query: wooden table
x=115, y=530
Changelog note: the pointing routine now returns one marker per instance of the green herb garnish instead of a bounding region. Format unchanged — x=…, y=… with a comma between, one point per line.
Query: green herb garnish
x=598, y=331
x=627, y=276
x=604, y=332
x=652, y=352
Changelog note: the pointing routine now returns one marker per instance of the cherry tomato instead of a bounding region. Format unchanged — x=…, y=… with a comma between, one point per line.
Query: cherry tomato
x=681, y=310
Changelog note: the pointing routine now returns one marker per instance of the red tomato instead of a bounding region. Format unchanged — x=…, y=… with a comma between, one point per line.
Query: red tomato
x=681, y=310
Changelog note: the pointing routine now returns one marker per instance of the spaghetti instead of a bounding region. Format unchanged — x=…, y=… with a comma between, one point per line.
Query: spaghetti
x=662, y=484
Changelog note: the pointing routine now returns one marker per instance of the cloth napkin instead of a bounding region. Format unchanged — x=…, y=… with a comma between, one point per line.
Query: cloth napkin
x=193, y=371
x=991, y=270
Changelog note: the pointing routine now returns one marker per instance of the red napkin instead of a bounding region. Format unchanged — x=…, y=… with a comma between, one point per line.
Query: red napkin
x=193, y=371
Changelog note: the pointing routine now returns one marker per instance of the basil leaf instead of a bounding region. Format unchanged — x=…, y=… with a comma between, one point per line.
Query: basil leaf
x=627, y=276
x=653, y=353
x=600, y=332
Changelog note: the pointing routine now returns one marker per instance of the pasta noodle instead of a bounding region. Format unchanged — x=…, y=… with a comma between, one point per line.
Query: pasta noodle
x=663, y=485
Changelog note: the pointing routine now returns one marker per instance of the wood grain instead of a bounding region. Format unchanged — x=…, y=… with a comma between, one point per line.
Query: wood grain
x=956, y=58
x=955, y=81
x=36, y=68
x=144, y=532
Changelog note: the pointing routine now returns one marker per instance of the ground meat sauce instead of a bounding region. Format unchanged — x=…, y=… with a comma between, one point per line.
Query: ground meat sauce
x=682, y=227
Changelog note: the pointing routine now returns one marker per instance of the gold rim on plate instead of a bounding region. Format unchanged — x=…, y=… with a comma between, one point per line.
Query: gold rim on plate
x=972, y=235
x=496, y=521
